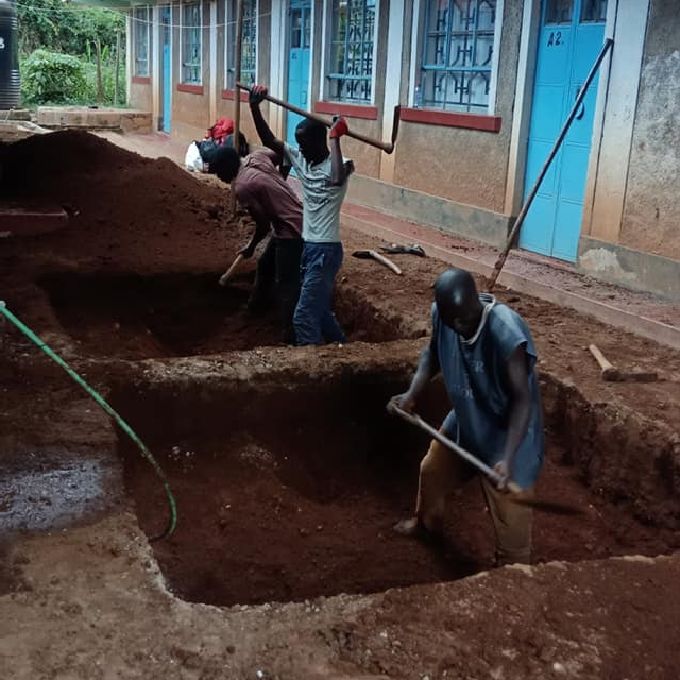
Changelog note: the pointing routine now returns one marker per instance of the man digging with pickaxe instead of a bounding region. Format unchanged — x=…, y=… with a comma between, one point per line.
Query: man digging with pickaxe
x=323, y=174
x=277, y=212
x=486, y=356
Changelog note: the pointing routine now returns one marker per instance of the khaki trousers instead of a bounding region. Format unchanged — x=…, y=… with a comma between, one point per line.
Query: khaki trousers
x=441, y=472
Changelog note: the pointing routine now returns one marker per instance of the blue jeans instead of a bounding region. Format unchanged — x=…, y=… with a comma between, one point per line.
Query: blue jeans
x=313, y=319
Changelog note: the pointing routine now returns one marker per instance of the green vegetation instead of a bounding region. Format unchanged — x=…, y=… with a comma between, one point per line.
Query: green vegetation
x=67, y=53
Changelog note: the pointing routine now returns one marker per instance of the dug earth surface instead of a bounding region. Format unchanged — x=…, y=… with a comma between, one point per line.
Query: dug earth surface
x=287, y=470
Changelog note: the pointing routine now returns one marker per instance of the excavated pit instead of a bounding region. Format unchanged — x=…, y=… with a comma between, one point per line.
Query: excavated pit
x=290, y=492
x=133, y=316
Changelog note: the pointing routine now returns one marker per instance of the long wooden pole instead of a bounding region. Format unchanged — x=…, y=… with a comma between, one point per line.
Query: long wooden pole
x=541, y=175
x=237, y=91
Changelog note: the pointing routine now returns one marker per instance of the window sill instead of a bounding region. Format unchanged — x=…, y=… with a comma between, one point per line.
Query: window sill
x=469, y=121
x=349, y=110
x=141, y=80
x=231, y=95
x=191, y=89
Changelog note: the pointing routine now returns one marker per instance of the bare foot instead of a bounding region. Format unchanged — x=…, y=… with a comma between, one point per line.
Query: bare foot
x=410, y=527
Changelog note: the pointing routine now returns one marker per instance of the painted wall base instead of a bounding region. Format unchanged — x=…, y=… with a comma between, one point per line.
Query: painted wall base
x=630, y=268
x=456, y=218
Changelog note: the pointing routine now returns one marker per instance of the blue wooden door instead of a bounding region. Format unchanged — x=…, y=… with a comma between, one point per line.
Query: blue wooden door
x=299, y=36
x=570, y=38
x=166, y=47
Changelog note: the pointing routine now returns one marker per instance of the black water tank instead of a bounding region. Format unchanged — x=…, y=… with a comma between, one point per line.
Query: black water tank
x=10, y=85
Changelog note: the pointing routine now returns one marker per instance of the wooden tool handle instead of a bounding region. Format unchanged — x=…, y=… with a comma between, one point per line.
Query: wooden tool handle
x=387, y=147
x=230, y=272
x=386, y=261
x=605, y=365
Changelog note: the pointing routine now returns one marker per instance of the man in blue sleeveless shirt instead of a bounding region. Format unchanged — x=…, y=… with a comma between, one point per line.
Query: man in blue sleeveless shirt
x=487, y=358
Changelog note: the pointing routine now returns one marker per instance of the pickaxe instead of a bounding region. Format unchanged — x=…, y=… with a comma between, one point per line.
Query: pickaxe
x=513, y=489
x=608, y=372
x=387, y=147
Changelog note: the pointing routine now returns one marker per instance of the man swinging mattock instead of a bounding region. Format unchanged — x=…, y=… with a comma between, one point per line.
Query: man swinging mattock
x=486, y=355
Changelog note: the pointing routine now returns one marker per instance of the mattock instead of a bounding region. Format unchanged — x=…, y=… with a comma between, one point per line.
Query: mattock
x=513, y=489
x=387, y=147
x=608, y=372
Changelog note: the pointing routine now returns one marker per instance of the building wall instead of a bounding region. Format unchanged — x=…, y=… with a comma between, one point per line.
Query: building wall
x=141, y=95
x=651, y=218
x=190, y=110
x=468, y=166
x=460, y=164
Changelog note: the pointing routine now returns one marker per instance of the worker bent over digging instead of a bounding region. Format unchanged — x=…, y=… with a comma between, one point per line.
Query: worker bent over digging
x=323, y=176
x=274, y=207
x=486, y=356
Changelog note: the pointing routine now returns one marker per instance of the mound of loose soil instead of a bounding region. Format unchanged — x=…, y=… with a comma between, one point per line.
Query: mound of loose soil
x=126, y=210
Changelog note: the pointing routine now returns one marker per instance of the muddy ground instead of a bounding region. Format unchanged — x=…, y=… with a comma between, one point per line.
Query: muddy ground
x=287, y=471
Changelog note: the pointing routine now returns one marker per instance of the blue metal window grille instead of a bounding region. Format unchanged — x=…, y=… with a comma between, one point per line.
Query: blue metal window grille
x=141, y=24
x=191, y=43
x=248, y=44
x=350, y=71
x=457, y=54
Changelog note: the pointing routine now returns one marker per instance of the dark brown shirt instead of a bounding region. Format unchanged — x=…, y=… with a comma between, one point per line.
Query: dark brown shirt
x=259, y=186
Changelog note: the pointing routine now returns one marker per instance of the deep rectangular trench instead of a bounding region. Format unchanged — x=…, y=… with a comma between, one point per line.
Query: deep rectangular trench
x=131, y=316
x=289, y=491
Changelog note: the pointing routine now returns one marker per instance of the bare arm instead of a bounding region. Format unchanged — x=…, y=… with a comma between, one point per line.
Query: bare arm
x=265, y=133
x=338, y=169
x=262, y=228
x=520, y=407
x=428, y=367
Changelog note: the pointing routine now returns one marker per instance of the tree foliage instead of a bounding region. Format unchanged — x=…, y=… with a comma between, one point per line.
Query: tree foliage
x=59, y=27
x=58, y=41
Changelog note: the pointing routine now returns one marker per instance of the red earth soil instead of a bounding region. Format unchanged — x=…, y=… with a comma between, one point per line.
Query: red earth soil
x=301, y=503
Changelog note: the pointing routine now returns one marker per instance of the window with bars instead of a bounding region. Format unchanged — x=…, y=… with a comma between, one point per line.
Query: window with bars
x=191, y=52
x=248, y=44
x=457, y=61
x=559, y=11
x=594, y=10
x=141, y=27
x=349, y=72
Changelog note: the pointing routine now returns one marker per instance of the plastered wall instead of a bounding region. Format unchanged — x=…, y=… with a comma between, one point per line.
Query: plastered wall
x=651, y=218
x=468, y=166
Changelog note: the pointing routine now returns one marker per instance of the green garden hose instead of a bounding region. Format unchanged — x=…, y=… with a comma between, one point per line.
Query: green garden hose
x=172, y=523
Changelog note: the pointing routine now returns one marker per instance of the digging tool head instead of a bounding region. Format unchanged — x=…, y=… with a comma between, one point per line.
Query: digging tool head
x=551, y=507
x=398, y=249
x=616, y=375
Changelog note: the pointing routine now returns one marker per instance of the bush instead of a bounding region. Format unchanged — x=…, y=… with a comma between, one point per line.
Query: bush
x=52, y=78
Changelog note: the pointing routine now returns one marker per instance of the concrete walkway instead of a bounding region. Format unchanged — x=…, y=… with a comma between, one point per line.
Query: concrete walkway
x=641, y=313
